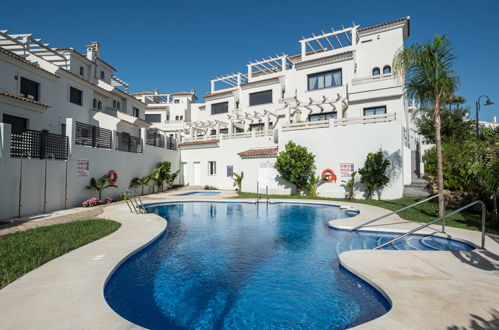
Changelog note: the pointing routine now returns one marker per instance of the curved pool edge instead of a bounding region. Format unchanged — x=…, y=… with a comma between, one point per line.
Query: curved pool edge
x=68, y=292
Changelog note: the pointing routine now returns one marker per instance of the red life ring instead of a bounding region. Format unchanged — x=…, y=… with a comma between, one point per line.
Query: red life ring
x=112, y=177
x=328, y=175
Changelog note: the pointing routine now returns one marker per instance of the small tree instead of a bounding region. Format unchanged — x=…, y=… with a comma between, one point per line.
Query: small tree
x=295, y=165
x=170, y=178
x=313, y=184
x=238, y=180
x=349, y=185
x=100, y=184
x=373, y=175
x=160, y=174
x=142, y=182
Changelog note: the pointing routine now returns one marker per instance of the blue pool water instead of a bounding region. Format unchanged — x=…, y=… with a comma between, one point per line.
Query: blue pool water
x=243, y=266
x=199, y=193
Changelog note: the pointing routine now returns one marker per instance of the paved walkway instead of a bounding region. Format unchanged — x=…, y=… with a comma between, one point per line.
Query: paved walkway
x=428, y=289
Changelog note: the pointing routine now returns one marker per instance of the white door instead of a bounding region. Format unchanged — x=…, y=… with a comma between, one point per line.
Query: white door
x=183, y=173
x=197, y=173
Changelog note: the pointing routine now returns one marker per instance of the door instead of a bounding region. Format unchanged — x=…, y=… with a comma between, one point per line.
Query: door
x=197, y=173
x=183, y=173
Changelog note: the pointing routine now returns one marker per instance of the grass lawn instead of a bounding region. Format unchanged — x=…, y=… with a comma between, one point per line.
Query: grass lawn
x=24, y=251
x=421, y=213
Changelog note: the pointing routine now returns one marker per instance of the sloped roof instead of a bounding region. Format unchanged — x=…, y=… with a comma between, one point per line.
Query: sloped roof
x=25, y=99
x=268, y=152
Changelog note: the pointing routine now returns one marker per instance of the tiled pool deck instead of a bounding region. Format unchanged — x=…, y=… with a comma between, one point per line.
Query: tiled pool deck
x=428, y=289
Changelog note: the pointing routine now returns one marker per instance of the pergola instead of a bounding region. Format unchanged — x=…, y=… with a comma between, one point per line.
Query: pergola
x=278, y=63
x=335, y=39
x=230, y=80
x=24, y=45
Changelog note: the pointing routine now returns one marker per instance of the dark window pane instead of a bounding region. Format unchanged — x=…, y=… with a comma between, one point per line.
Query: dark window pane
x=376, y=72
x=29, y=89
x=75, y=96
x=387, y=69
x=325, y=79
x=16, y=122
x=374, y=111
x=322, y=116
x=136, y=112
x=260, y=97
x=153, y=117
x=221, y=107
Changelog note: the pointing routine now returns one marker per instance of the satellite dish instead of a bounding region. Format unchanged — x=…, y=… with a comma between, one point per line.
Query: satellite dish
x=276, y=136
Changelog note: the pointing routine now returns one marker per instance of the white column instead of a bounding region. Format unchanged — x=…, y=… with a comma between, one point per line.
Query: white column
x=283, y=63
x=249, y=73
x=231, y=126
x=212, y=86
x=303, y=49
x=266, y=122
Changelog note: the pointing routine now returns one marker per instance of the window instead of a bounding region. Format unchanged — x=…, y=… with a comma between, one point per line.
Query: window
x=222, y=131
x=181, y=117
x=176, y=101
x=221, y=107
x=63, y=129
x=167, y=117
x=99, y=105
x=136, y=112
x=118, y=105
x=176, y=117
x=16, y=122
x=260, y=98
x=94, y=104
x=374, y=111
x=387, y=69
x=212, y=168
x=82, y=71
x=323, y=116
x=75, y=96
x=114, y=103
x=154, y=117
x=102, y=75
x=376, y=71
x=29, y=89
x=324, y=79
x=258, y=127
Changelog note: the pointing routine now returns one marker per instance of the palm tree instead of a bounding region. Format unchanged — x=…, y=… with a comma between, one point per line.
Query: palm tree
x=429, y=77
x=100, y=184
x=350, y=185
x=238, y=180
x=160, y=174
x=170, y=178
x=313, y=184
x=142, y=182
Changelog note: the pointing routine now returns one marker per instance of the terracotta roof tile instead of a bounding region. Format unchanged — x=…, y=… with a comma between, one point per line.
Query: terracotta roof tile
x=259, y=152
x=383, y=24
x=220, y=93
x=22, y=98
x=191, y=143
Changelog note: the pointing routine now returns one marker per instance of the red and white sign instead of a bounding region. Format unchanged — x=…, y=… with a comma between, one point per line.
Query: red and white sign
x=82, y=167
x=346, y=169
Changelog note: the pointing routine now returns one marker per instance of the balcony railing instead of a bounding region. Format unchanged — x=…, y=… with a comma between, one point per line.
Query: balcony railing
x=385, y=117
x=306, y=125
x=364, y=80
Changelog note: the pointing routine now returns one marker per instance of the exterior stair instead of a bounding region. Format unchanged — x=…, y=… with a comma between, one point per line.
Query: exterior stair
x=416, y=188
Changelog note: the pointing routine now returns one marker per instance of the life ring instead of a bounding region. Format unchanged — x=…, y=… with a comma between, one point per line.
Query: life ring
x=328, y=175
x=112, y=177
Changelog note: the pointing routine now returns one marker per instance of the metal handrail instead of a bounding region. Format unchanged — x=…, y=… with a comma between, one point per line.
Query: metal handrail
x=441, y=218
x=395, y=212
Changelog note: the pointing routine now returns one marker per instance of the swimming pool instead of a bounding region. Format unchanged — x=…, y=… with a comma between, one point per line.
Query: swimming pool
x=223, y=265
x=199, y=193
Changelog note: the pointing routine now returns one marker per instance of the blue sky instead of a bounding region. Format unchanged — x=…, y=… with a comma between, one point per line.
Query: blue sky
x=176, y=46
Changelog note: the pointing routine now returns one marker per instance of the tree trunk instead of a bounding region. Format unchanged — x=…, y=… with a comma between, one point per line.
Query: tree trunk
x=438, y=149
x=100, y=195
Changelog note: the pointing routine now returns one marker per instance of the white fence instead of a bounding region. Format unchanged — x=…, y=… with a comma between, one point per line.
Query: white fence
x=30, y=186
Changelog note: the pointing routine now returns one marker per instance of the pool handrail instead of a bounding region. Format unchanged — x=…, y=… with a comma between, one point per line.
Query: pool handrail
x=394, y=212
x=439, y=219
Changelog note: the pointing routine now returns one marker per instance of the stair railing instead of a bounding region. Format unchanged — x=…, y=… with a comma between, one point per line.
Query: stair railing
x=394, y=212
x=439, y=219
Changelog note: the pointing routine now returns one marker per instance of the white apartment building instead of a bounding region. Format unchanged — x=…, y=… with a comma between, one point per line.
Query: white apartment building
x=66, y=117
x=337, y=96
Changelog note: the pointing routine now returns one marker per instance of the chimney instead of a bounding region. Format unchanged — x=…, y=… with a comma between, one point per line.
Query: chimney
x=495, y=119
x=93, y=51
x=193, y=90
x=156, y=91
